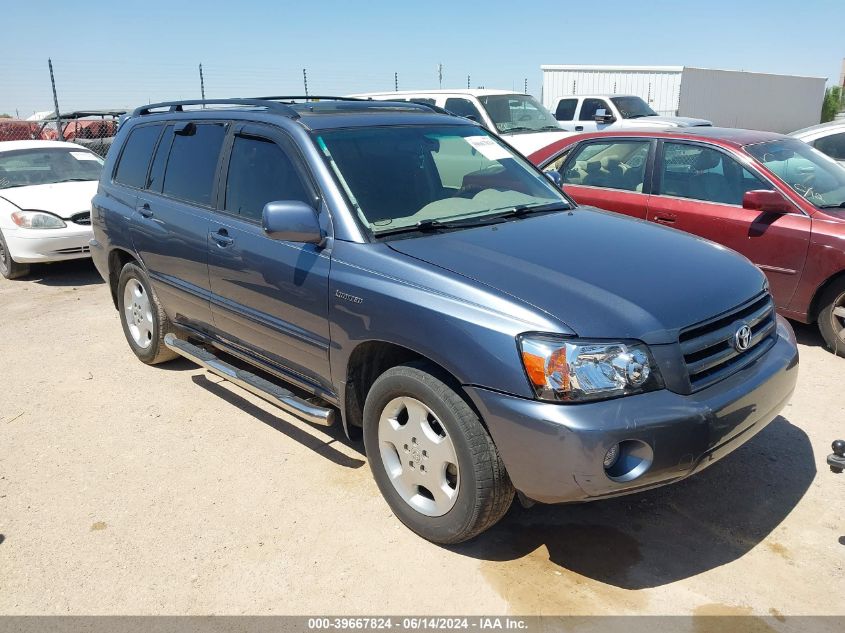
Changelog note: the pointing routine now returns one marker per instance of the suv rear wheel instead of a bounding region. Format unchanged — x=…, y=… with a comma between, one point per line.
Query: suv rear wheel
x=142, y=317
x=432, y=459
x=832, y=318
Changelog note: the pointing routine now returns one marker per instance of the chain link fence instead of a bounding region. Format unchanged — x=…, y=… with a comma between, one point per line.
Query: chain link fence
x=94, y=130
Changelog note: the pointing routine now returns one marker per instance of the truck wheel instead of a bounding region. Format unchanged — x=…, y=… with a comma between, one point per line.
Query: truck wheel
x=9, y=268
x=431, y=457
x=832, y=318
x=142, y=317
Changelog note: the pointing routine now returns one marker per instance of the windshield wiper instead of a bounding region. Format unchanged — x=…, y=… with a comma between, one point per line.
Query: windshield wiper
x=426, y=225
x=839, y=205
x=73, y=180
x=527, y=209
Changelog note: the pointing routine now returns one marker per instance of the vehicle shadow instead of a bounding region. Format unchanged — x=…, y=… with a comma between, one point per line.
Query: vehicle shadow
x=671, y=533
x=319, y=446
x=807, y=334
x=75, y=272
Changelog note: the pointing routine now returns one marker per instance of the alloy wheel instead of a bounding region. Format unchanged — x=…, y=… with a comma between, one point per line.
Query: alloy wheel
x=138, y=313
x=418, y=456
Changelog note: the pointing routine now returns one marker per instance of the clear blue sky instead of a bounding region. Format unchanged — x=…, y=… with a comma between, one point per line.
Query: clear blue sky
x=121, y=54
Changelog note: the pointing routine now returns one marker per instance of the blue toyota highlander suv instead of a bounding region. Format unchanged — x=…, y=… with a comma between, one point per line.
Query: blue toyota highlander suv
x=404, y=271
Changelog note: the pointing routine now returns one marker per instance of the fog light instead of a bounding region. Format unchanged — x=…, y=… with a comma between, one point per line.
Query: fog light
x=611, y=456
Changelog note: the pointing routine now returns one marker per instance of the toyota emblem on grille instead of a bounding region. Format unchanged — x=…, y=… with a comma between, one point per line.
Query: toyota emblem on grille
x=742, y=338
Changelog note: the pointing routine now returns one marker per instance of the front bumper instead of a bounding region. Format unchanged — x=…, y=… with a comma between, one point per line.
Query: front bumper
x=48, y=245
x=554, y=452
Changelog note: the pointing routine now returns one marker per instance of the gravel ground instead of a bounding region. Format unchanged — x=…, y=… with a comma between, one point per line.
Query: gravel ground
x=162, y=490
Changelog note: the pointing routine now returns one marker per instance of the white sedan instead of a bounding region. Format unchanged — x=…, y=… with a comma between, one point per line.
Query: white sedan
x=45, y=203
x=828, y=138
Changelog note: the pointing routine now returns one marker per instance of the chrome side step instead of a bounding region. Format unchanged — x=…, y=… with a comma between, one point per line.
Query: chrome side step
x=272, y=393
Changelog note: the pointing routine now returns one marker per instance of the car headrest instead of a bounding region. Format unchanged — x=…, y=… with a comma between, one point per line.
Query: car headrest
x=593, y=167
x=707, y=159
x=610, y=162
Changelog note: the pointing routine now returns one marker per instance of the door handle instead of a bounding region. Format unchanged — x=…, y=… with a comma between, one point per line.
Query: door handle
x=222, y=238
x=144, y=210
x=579, y=128
x=665, y=219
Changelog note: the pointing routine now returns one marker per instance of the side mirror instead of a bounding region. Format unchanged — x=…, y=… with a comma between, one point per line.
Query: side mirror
x=555, y=177
x=603, y=116
x=291, y=221
x=766, y=201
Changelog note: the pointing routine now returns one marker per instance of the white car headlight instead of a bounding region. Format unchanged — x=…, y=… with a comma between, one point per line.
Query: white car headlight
x=574, y=370
x=37, y=220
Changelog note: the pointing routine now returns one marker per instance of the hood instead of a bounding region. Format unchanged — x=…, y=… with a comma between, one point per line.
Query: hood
x=671, y=121
x=63, y=199
x=601, y=274
x=529, y=142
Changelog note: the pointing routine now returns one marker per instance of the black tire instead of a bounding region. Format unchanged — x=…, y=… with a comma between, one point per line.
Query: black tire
x=155, y=352
x=830, y=324
x=9, y=268
x=484, y=492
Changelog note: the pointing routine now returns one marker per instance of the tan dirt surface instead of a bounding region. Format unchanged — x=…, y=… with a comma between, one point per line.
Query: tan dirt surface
x=127, y=489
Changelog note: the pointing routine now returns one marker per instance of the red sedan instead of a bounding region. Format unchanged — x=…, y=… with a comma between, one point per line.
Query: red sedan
x=773, y=198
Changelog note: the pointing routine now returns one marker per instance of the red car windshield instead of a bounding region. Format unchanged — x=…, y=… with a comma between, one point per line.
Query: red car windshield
x=807, y=171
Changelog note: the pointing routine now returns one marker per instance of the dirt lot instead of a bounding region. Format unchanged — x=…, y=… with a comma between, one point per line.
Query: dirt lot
x=134, y=489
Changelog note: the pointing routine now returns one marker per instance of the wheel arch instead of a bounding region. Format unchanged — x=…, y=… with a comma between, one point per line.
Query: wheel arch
x=368, y=361
x=815, y=308
x=118, y=258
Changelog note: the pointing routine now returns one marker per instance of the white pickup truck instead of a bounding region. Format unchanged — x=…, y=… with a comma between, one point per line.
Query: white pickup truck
x=518, y=118
x=588, y=113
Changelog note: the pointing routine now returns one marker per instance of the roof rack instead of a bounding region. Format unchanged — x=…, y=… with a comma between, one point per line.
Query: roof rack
x=178, y=106
x=273, y=104
x=309, y=98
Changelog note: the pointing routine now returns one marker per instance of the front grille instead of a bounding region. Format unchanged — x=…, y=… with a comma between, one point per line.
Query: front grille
x=73, y=251
x=708, y=347
x=81, y=218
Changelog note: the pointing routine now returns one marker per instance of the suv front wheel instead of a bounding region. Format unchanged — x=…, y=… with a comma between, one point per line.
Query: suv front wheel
x=142, y=316
x=432, y=458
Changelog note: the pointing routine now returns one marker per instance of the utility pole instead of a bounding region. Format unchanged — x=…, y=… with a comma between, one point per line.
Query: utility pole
x=525, y=91
x=396, y=82
x=440, y=74
x=59, y=135
x=202, y=84
x=467, y=82
x=305, y=80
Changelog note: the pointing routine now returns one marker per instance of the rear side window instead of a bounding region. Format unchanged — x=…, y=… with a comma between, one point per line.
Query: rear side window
x=566, y=109
x=833, y=145
x=616, y=165
x=135, y=159
x=590, y=107
x=192, y=164
x=260, y=172
x=462, y=107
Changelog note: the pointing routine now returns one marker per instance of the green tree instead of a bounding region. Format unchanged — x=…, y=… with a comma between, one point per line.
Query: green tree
x=832, y=103
x=5, y=116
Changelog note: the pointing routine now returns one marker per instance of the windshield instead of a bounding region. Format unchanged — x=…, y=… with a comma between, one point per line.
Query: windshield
x=401, y=176
x=518, y=114
x=807, y=171
x=48, y=165
x=632, y=107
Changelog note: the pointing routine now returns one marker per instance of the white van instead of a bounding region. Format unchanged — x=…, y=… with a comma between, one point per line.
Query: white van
x=518, y=118
x=588, y=113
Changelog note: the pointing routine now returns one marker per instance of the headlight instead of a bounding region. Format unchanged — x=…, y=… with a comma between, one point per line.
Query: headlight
x=573, y=370
x=37, y=220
